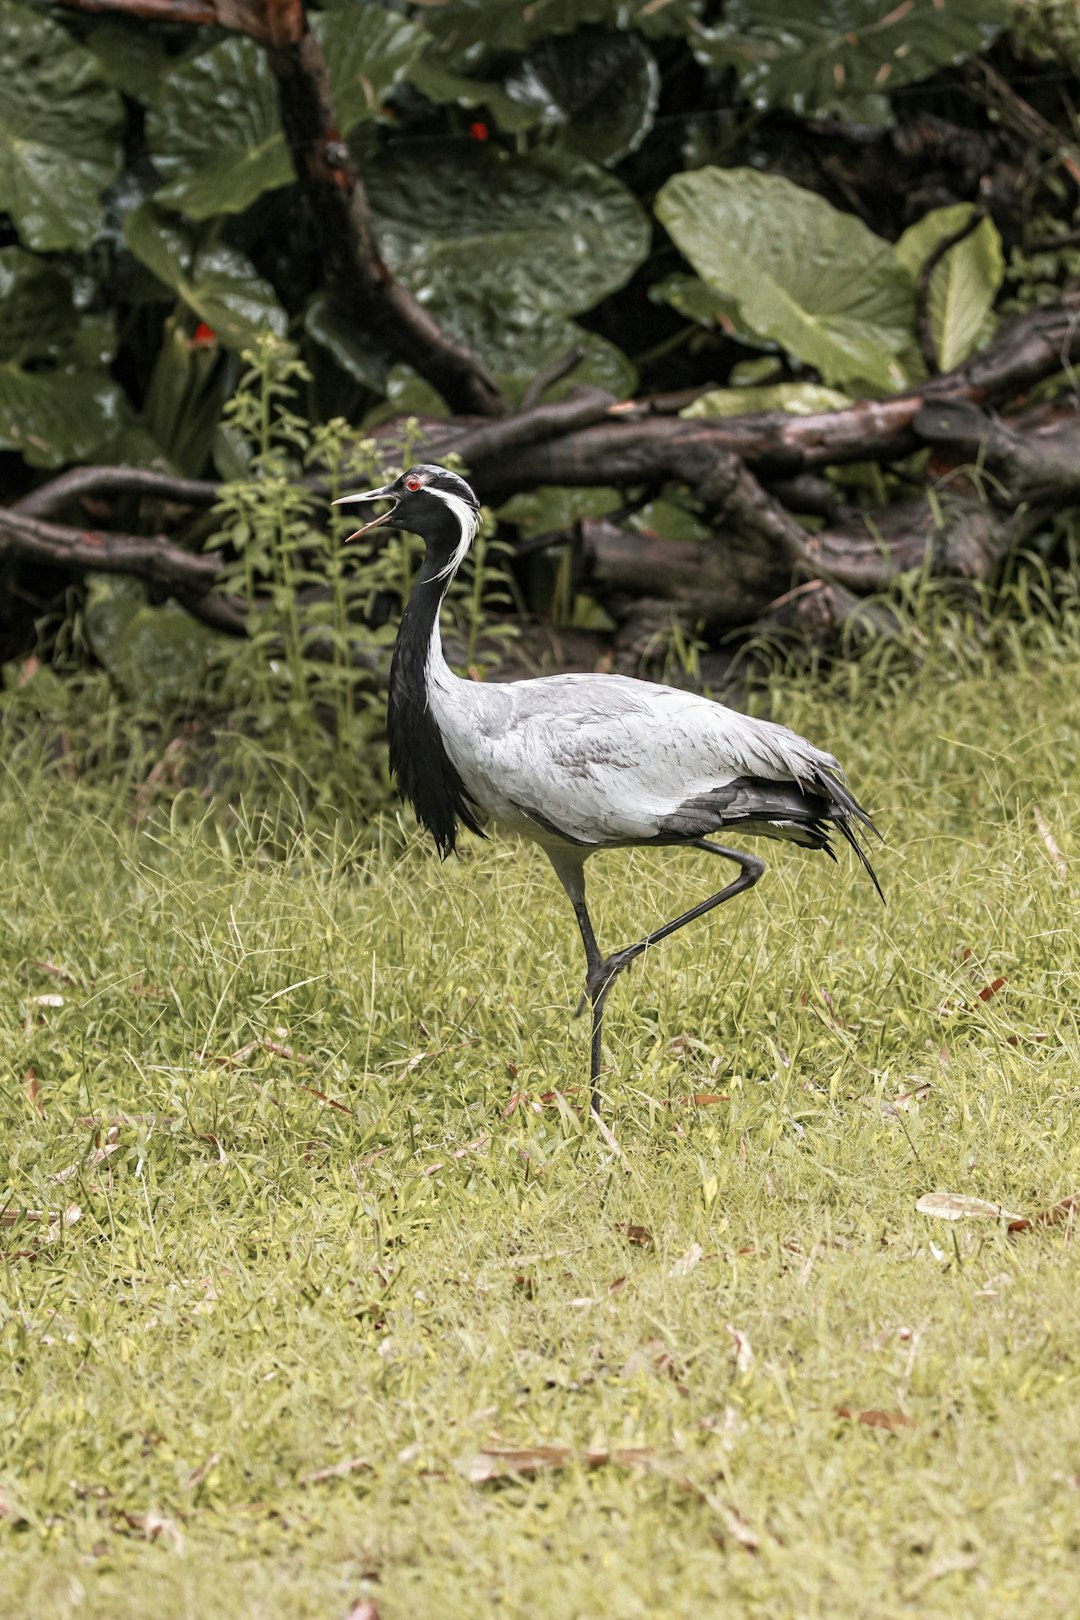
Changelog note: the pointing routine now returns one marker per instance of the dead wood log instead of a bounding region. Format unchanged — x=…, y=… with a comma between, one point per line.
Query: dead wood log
x=633, y=447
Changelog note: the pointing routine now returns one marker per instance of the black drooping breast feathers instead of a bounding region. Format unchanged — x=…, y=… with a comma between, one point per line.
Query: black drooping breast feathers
x=425, y=774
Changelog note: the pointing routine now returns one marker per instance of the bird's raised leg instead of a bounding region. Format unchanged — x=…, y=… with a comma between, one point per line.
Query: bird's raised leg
x=752, y=867
x=601, y=972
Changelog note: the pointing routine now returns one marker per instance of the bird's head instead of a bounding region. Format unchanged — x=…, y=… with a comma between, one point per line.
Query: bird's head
x=429, y=501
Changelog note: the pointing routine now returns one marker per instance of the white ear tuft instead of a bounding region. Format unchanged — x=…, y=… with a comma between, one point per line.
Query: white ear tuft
x=468, y=520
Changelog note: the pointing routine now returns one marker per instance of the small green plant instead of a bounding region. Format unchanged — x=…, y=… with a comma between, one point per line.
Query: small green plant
x=306, y=689
x=303, y=686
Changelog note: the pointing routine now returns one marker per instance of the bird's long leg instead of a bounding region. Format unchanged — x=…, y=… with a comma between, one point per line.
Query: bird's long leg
x=596, y=990
x=570, y=866
x=602, y=972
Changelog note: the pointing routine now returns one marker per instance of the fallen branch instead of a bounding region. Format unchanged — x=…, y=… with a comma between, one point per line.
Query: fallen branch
x=78, y=482
x=639, y=448
x=81, y=551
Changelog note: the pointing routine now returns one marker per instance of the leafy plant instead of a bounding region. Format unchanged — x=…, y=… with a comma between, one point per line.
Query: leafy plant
x=781, y=265
x=963, y=284
x=296, y=683
x=843, y=54
x=784, y=257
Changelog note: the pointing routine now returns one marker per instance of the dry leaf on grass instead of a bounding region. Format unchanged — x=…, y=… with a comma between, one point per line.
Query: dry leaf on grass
x=154, y=1525
x=97, y=1155
x=651, y=1358
x=697, y=1099
x=744, y=1355
x=1053, y=849
x=1063, y=1210
x=875, y=1419
x=686, y=1262
x=738, y=1529
x=338, y=1470
x=53, y=1220
x=54, y=970
x=197, y=1475
x=365, y=1609
x=959, y=1207
x=33, y=1092
x=639, y=1236
x=494, y=1463
x=949, y=1009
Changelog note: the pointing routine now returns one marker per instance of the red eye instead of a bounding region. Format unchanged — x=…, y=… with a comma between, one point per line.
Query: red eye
x=412, y=482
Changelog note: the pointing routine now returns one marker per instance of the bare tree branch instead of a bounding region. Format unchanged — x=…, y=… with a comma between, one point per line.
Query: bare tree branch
x=76, y=482
x=638, y=448
x=81, y=551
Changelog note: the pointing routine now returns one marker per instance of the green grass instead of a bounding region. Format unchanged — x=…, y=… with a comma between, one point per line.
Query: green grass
x=259, y=1286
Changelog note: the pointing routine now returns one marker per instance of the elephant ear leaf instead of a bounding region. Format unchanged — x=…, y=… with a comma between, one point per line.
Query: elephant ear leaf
x=59, y=127
x=216, y=283
x=214, y=128
x=53, y=408
x=215, y=134
x=796, y=270
x=963, y=285
x=843, y=54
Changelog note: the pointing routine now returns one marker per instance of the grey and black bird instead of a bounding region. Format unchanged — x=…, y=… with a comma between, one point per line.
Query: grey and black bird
x=580, y=763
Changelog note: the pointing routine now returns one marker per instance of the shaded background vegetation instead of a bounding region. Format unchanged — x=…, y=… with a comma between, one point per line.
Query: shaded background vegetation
x=752, y=323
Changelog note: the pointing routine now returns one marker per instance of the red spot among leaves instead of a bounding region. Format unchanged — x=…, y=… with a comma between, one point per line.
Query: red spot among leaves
x=479, y=131
x=204, y=336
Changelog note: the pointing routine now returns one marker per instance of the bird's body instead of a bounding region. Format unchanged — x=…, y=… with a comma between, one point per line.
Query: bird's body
x=598, y=761
x=580, y=763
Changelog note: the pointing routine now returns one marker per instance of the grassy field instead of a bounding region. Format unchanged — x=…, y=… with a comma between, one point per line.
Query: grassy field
x=301, y=1310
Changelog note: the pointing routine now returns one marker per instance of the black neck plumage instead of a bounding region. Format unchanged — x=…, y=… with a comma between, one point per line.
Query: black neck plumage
x=426, y=776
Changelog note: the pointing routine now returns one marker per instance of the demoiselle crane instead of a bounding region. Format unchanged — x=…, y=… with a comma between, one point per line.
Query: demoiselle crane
x=580, y=763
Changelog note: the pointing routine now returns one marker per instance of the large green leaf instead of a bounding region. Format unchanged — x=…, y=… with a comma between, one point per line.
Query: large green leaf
x=59, y=124
x=135, y=59
x=496, y=244
x=963, y=285
x=602, y=364
x=598, y=89
x=368, y=51
x=352, y=350
x=515, y=361
x=53, y=409
x=442, y=84
x=218, y=284
x=694, y=299
x=469, y=30
x=814, y=54
x=796, y=398
x=214, y=130
x=159, y=656
x=815, y=280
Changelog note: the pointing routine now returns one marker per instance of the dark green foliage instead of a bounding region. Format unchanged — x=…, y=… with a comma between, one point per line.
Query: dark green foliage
x=699, y=198
x=483, y=132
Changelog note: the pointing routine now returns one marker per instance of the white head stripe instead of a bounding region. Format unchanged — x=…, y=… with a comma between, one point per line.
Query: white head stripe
x=468, y=522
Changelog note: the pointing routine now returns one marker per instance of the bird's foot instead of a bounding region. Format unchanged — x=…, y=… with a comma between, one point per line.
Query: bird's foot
x=600, y=978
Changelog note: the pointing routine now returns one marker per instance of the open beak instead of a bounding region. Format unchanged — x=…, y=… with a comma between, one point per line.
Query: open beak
x=387, y=493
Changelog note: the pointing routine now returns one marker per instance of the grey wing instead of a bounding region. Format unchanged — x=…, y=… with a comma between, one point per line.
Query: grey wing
x=606, y=759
